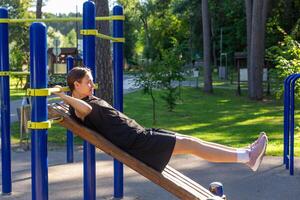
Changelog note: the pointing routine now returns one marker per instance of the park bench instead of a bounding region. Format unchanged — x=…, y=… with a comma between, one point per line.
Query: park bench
x=170, y=179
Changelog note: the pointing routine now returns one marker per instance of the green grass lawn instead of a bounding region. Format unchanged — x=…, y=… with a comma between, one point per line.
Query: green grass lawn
x=221, y=117
x=16, y=91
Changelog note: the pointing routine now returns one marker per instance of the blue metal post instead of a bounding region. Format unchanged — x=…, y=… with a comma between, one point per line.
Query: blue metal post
x=39, y=112
x=89, y=171
x=118, y=92
x=5, y=106
x=70, y=137
x=292, y=127
x=287, y=95
x=289, y=109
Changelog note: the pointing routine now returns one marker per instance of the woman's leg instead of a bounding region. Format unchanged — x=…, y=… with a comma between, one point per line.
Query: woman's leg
x=220, y=145
x=197, y=147
x=217, y=153
x=211, y=143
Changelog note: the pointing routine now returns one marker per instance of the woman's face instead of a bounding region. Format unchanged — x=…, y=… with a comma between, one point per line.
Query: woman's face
x=86, y=86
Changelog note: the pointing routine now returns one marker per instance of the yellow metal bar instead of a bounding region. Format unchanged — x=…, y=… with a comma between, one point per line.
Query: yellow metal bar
x=89, y=32
x=4, y=73
x=39, y=125
x=9, y=73
x=45, y=91
x=48, y=91
x=19, y=73
x=38, y=92
x=43, y=125
x=100, y=35
x=69, y=19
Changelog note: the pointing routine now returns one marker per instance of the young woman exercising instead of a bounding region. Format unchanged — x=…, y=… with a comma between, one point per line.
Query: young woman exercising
x=154, y=147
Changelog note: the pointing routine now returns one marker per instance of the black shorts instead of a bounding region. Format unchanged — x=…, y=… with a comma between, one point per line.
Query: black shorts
x=154, y=148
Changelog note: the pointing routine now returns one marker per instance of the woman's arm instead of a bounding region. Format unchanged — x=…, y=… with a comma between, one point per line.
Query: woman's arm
x=82, y=108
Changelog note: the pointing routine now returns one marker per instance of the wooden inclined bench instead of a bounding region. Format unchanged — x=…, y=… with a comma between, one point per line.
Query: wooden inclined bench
x=170, y=179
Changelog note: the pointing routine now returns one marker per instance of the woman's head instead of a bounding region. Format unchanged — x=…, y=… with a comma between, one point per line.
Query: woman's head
x=80, y=81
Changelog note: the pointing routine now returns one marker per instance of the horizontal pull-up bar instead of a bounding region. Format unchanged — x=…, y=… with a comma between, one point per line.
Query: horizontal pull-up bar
x=45, y=91
x=12, y=73
x=69, y=19
x=95, y=32
x=48, y=91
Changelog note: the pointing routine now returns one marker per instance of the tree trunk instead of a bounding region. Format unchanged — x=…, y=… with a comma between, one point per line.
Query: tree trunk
x=38, y=13
x=214, y=53
x=248, y=5
x=206, y=48
x=257, y=49
x=103, y=55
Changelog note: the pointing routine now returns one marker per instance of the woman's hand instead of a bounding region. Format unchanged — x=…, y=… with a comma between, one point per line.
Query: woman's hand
x=60, y=94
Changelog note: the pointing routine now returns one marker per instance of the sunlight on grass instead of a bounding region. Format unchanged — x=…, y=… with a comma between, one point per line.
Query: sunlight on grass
x=16, y=93
x=223, y=101
x=190, y=127
x=265, y=120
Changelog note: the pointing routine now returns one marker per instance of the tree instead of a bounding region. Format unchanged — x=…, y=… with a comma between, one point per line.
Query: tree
x=206, y=48
x=161, y=74
x=18, y=34
x=286, y=58
x=131, y=29
x=170, y=70
x=103, y=55
x=39, y=4
x=256, y=12
x=148, y=81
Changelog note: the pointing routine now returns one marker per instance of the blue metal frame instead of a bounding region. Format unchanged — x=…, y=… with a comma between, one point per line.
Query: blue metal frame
x=89, y=171
x=39, y=112
x=70, y=137
x=118, y=93
x=289, y=121
x=5, y=107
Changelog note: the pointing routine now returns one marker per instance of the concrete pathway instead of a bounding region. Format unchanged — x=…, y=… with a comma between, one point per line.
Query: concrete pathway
x=271, y=182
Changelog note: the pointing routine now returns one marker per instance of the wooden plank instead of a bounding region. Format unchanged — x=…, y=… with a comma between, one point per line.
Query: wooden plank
x=172, y=182
x=189, y=182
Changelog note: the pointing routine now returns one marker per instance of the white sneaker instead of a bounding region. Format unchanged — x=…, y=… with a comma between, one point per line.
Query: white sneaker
x=257, y=151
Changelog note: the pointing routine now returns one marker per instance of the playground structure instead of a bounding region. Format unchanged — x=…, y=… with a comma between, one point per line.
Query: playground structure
x=38, y=137
x=170, y=179
x=289, y=121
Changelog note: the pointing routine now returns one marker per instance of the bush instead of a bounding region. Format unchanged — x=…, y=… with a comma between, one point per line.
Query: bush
x=286, y=58
x=57, y=79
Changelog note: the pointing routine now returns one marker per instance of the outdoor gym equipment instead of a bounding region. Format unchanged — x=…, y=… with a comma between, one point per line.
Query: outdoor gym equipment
x=289, y=121
x=39, y=156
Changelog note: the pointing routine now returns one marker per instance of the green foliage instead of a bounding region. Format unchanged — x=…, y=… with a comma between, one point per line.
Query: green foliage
x=67, y=26
x=18, y=33
x=162, y=74
x=17, y=57
x=131, y=28
x=286, y=58
x=68, y=40
x=57, y=79
x=147, y=79
x=170, y=71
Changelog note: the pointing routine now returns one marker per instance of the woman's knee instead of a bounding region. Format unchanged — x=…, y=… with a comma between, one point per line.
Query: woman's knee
x=182, y=145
